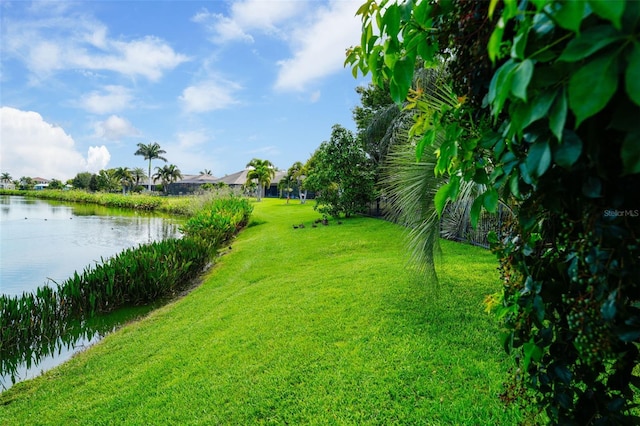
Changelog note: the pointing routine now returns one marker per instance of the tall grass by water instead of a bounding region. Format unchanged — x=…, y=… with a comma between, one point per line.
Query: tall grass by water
x=145, y=202
x=30, y=324
x=313, y=325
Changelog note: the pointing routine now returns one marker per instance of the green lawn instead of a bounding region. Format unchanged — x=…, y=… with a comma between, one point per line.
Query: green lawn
x=321, y=325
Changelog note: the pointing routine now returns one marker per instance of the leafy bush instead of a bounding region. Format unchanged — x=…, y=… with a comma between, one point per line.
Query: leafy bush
x=558, y=141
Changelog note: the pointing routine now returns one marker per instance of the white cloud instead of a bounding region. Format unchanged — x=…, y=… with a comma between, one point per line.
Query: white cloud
x=192, y=138
x=320, y=47
x=97, y=158
x=33, y=147
x=112, y=99
x=70, y=41
x=247, y=16
x=115, y=128
x=209, y=95
x=222, y=29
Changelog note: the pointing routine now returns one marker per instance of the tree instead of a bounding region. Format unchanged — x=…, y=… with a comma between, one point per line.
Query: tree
x=82, y=180
x=152, y=151
x=26, y=182
x=5, y=177
x=55, y=184
x=105, y=181
x=167, y=175
x=373, y=119
x=123, y=174
x=138, y=175
x=206, y=172
x=341, y=175
x=295, y=173
x=562, y=101
x=262, y=171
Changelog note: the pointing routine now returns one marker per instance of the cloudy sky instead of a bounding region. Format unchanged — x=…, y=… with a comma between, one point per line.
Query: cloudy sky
x=215, y=83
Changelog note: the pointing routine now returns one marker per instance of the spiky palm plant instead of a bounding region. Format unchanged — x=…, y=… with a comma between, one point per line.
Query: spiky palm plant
x=410, y=183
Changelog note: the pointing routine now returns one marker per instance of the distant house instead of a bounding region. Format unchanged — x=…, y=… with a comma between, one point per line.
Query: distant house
x=238, y=179
x=189, y=184
x=192, y=183
x=41, y=181
x=7, y=185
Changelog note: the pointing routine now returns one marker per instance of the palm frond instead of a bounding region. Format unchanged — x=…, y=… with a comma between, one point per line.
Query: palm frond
x=411, y=186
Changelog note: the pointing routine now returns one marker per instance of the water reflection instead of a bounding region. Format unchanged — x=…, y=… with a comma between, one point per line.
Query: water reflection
x=58, y=342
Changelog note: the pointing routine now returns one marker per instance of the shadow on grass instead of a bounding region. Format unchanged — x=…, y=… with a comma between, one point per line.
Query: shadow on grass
x=255, y=222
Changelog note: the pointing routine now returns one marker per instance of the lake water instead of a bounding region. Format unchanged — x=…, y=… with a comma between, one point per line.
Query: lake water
x=41, y=241
x=44, y=240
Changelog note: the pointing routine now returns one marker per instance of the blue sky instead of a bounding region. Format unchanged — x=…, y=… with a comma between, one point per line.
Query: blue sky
x=214, y=83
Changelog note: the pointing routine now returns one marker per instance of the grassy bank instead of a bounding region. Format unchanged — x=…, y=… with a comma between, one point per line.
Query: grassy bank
x=319, y=325
x=172, y=205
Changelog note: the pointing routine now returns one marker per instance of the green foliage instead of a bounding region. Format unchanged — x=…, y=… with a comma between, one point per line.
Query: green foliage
x=218, y=220
x=167, y=174
x=262, y=171
x=558, y=141
x=151, y=151
x=55, y=184
x=82, y=180
x=341, y=175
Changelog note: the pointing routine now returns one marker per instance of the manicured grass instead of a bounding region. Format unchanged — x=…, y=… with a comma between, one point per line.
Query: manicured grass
x=321, y=325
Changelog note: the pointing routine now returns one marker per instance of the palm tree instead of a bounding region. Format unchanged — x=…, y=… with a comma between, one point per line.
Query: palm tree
x=410, y=185
x=138, y=174
x=297, y=171
x=262, y=171
x=152, y=151
x=206, y=172
x=124, y=176
x=5, y=177
x=167, y=174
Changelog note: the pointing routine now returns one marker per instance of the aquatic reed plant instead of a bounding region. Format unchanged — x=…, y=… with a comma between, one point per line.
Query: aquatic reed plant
x=31, y=325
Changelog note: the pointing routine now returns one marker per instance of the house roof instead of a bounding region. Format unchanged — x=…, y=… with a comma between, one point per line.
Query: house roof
x=197, y=179
x=240, y=178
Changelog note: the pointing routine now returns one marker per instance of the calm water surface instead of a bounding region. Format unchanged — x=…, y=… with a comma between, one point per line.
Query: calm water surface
x=43, y=240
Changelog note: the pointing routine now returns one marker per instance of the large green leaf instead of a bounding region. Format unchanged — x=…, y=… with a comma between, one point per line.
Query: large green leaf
x=421, y=13
x=610, y=10
x=500, y=86
x=558, y=114
x=493, y=47
x=524, y=114
x=521, y=78
x=570, y=14
x=476, y=208
x=593, y=85
x=568, y=151
x=532, y=352
x=538, y=158
x=441, y=197
x=490, y=200
x=631, y=153
x=426, y=140
x=391, y=20
x=632, y=75
x=589, y=42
